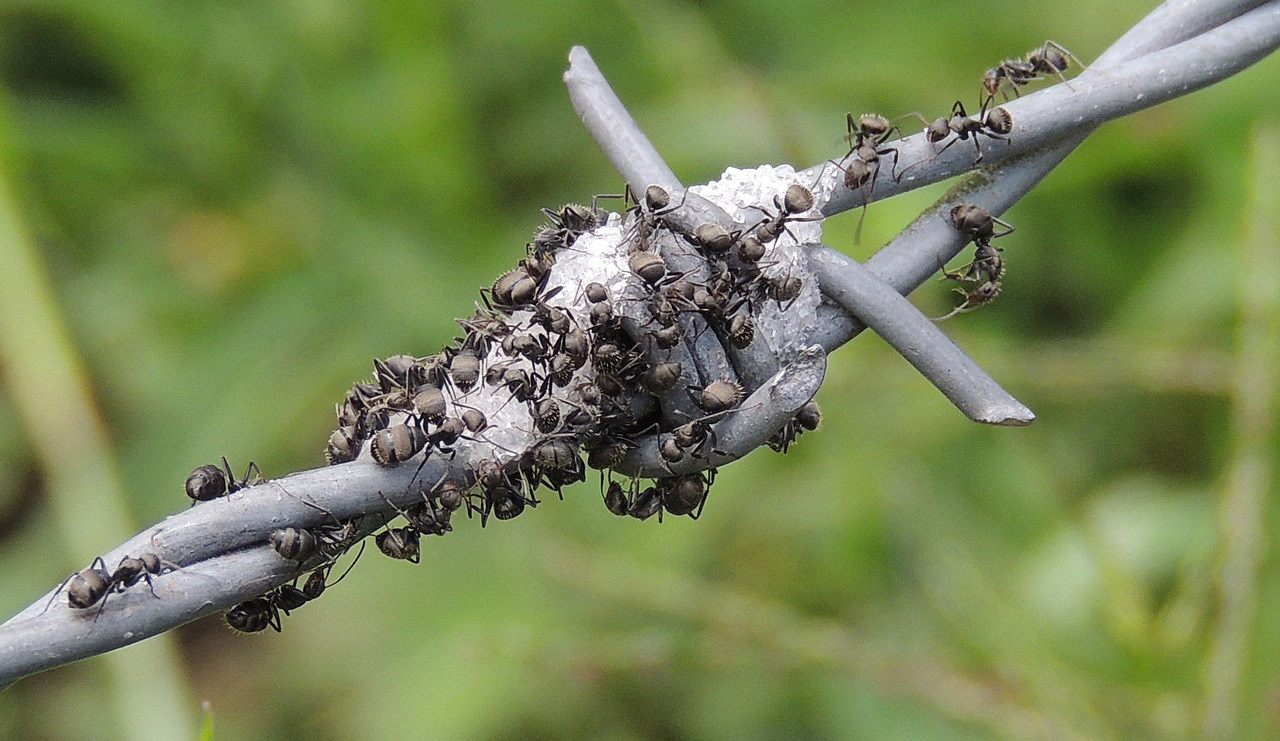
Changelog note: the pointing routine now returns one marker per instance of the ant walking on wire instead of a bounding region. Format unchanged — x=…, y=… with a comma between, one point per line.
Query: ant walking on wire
x=88, y=587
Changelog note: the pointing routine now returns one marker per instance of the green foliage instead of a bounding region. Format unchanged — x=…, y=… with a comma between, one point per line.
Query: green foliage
x=240, y=205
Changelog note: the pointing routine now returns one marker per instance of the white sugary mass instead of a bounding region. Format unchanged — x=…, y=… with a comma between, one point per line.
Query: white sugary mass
x=601, y=256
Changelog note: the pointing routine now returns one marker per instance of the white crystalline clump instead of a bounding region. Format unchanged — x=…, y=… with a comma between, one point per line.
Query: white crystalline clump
x=599, y=256
x=510, y=428
x=595, y=257
x=743, y=193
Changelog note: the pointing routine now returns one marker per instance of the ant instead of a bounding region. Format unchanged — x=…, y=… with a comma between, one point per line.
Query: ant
x=88, y=587
x=210, y=482
x=648, y=214
x=1051, y=58
x=987, y=264
x=403, y=542
x=797, y=200
x=502, y=496
x=399, y=543
x=808, y=417
x=571, y=222
x=980, y=226
x=403, y=372
x=258, y=614
x=867, y=137
x=994, y=124
x=692, y=438
x=685, y=495
x=483, y=331
x=555, y=461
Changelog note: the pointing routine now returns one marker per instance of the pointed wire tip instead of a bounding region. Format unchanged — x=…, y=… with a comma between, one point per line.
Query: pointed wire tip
x=579, y=57
x=1016, y=415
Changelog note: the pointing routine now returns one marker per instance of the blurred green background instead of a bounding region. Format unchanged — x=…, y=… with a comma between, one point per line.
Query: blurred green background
x=233, y=207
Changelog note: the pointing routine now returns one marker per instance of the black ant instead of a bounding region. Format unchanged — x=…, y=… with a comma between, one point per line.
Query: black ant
x=399, y=543
x=210, y=482
x=1051, y=58
x=403, y=542
x=567, y=224
x=685, y=495
x=502, y=496
x=993, y=124
x=807, y=418
x=867, y=137
x=648, y=214
x=258, y=614
x=797, y=200
x=90, y=586
x=556, y=462
x=987, y=264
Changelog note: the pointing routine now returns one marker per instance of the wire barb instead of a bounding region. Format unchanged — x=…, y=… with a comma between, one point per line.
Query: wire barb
x=222, y=545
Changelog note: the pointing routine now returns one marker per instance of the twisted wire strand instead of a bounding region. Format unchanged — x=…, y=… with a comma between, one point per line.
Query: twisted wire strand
x=221, y=545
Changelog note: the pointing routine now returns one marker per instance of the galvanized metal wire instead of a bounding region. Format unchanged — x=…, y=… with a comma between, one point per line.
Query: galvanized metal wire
x=222, y=547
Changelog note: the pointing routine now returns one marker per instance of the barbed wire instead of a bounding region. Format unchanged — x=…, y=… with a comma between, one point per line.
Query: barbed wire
x=221, y=546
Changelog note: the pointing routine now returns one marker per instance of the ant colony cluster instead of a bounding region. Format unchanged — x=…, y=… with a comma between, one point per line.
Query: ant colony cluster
x=574, y=355
x=584, y=348
x=595, y=341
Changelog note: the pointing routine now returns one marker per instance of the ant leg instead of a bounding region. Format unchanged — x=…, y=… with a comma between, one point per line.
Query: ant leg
x=946, y=146
x=896, y=157
x=989, y=135
x=857, y=233
x=231, y=477
x=614, y=196
x=350, y=566
x=1008, y=228
x=305, y=501
x=706, y=491
x=978, y=147
x=147, y=578
x=961, y=309
x=959, y=274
